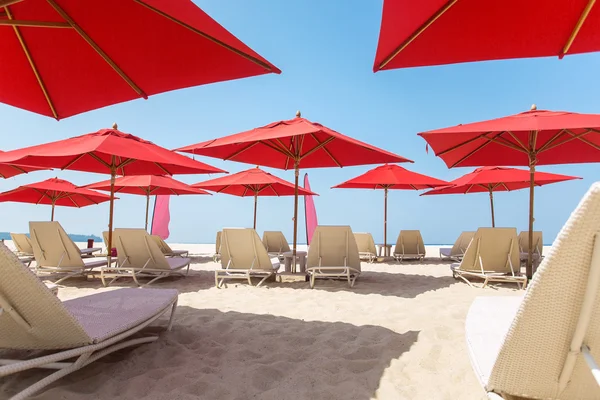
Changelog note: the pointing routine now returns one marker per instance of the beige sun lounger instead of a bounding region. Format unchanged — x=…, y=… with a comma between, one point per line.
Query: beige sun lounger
x=139, y=256
x=409, y=246
x=546, y=344
x=243, y=256
x=75, y=332
x=22, y=244
x=333, y=254
x=166, y=249
x=493, y=256
x=275, y=243
x=217, y=254
x=457, y=251
x=366, y=246
x=55, y=252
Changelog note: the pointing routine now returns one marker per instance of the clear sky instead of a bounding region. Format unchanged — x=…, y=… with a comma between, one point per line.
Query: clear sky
x=326, y=50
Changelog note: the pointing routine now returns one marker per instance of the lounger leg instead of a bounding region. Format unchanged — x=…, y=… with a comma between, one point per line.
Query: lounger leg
x=170, y=325
x=349, y=282
x=312, y=281
x=133, y=275
x=485, y=282
x=465, y=279
x=249, y=279
x=264, y=279
x=187, y=271
x=216, y=280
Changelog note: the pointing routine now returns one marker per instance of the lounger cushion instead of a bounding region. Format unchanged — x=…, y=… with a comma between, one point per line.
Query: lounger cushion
x=90, y=250
x=107, y=314
x=179, y=252
x=93, y=262
x=275, y=263
x=486, y=326
x=178, y=263
x=446, y=251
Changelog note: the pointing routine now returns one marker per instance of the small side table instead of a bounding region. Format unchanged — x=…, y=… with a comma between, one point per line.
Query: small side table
x=300, y=260
x=380, y=249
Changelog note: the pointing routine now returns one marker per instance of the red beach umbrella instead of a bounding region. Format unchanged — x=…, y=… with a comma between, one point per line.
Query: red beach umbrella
x=435, y=32
x=108, y=151
x=497, y=179
x=253, y=182
x=10, y=170
x=147, y=185
x=65, y=57
x=536, y=137
x=295, y=143
x=390, y=176
x=55, y=192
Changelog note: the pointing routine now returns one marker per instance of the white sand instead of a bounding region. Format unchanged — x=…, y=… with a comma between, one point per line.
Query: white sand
x=399, y=334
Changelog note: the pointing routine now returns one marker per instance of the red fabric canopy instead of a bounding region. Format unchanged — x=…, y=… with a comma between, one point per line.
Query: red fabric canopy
x=280, y=143
x=54, y=192
x=147, y=185
x=10, y=170
x=497, y=179
x=550, y=137
x=434, y=32
x=94, y=152
x=65, y=57
x=252, y=182
x=391, y=176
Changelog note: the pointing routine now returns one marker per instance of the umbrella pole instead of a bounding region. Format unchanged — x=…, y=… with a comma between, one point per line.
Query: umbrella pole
x=255, y=205
x=385, y=221
x=113, y=173
x=52, y=215
x=492, y=207
x=147, y=207
x=529, y=268
x=297, y=172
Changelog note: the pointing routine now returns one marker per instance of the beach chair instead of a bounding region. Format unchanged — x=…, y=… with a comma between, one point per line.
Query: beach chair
x=333, y=254
x=22, y=244
x=217, y=254
x=409, y=246
x=366, y=246
x=493, y=256
x=166, y=249
x=275, y=243
x=457, y=251
x=55, y=252
x=73, y=333
x=538, y=247
x=139, y=256
x=243, y=256
x=546, y=344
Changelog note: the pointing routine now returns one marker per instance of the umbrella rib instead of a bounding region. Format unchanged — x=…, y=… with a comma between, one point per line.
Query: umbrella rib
x=512, y=135
x=34, y=24
x=166, y=171
x=574, y=136
x=6, y=3
x=326, y=150
x=95, y=157
x=458, y=146
x=489, y=140
x=320, y=145
x=100, y=52
x=240, y=151
x=207, y=36
x=417, y=33
x=32, y=64
x=552, y=140
x=580, y=137
x=73, y=161
x=223, y=188
x=283, y=149
x=43, y=194
x=578, y=25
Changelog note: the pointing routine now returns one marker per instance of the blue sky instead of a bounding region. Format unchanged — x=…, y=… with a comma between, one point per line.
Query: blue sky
x=326, y=50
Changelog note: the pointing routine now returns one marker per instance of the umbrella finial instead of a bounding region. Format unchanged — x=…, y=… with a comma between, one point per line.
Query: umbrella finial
x=115, y=126
x=298, y=114
x=533, y=107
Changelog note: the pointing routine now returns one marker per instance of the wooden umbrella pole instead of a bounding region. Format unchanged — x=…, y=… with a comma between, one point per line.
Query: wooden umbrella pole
x=147, y=208
x=52, y=215
x=297, y=172
x=113, y=175
x=529, y=268
x=385, y=221
x=255, y=205
x=492, y=207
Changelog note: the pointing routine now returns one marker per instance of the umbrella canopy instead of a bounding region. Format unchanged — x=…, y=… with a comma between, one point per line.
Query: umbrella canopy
x=108, y=151
x=434, y=32
x=147, y=185
x=295, y=143
x=253, y=182
x=55, y=192
x=536, y=137
x=52, y=48
x=390, y=176
x=10, y=170
x=497, y=179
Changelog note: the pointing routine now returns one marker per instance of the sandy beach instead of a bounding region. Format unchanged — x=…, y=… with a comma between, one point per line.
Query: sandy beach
x=398, y=334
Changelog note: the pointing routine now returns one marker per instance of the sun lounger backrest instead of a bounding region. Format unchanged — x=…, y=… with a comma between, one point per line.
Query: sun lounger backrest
x=534, y=353
x=162, y=245
x=135, y=248
x=275, y=242
x=31, y=316
x=462, y=243
x=333, y=245
x=365, y=243
x=22, y=243
x=105, y=237
x=218, y=243
x=411, y=241
x=538, y=244
x=52, y=247
x=241, y=248
x=492, y=246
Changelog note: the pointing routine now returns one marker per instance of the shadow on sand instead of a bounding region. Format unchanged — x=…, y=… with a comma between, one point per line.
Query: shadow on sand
x=211, y=354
